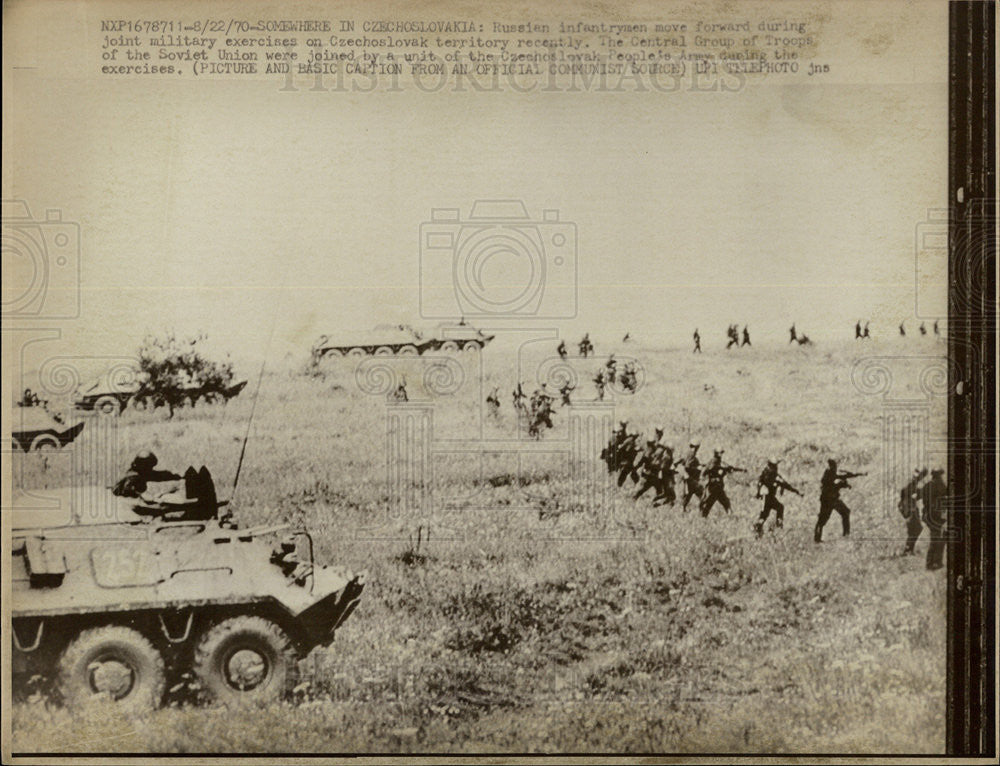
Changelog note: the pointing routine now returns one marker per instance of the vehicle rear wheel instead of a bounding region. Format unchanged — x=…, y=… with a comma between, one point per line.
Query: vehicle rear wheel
x=45, y=442
x=246, y=659
x=108, y=405
x=114, y=662
x=471, y=346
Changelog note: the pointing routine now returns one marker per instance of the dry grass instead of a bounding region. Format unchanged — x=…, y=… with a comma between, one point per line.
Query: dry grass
x=570, y=629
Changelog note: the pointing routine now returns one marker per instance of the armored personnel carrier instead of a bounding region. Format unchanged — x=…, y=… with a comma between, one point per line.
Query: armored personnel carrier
x=33, y=428
x=125, y=598
x=402, y=340
x=108, y=398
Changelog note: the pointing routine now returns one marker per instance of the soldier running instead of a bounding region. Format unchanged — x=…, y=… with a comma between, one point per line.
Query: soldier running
x=773, y=482
x=792, y=337
x=908, y=497
x=934, y=495
x=829, y=499
x=586, y=347
x=733, y=334
x=610, y=369
x=923, y=328
x=648, y=468
x=746, y=337
x=600, y=384
x=715, y=486
x=937, y=330
x=692, y=474
x=519, y=398
x=400, y=394
x=561, y=349
x=564, y=393
x=493, y=402
x=857, y=330
x=627, y=452
x=697, y=342
x=866, y=334
x=902, y=328
x=666, y=492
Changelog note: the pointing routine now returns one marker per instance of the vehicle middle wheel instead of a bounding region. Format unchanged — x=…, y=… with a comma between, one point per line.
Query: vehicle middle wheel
x=45, y=442
x=108, y=405
x=113, y=662
x=246, y=659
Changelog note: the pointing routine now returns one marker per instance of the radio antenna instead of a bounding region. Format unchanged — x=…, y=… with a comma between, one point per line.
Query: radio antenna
x=253, y=409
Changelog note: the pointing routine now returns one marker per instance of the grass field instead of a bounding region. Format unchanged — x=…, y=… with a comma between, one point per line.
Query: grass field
x=529, y=623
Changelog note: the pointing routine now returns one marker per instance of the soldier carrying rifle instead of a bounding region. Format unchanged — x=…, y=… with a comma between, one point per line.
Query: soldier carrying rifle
x=773, y=482
x=715, y=486
x=829, y=498
x=908, y=497
x=692, y=474
x=561, y=349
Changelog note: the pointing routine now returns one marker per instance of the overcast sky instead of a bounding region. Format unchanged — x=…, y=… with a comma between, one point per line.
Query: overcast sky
x=235, y=208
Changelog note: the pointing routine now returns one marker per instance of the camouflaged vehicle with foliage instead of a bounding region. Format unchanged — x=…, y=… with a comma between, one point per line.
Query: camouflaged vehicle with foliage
x=125, y=599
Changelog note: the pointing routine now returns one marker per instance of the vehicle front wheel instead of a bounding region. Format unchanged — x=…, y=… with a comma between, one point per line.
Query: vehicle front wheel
x=245, y=659
x=113, y=662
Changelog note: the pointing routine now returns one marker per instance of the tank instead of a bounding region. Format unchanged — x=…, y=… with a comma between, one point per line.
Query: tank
x=35, y=429
x=166, y=595
x=402, y=340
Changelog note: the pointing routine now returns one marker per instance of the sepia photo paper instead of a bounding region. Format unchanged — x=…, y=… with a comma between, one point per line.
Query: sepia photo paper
x=474, y=379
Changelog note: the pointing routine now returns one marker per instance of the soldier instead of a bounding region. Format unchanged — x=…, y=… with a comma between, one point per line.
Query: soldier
x=908, y=497
x=715, y=486
x=627, y=338
x=564, y=392
x=400, y=394
x=626, y=454
x=586, y=346
x=610, y=453
x=902, y=328
x=561, y=349
x=692, y=474
x=733, y=335
x=773, y=482
x=599, y=383
x=139, y=475
x=937, y=330
x=792, y=337
x=829, y=499
x=934, y=495
x=697, y=342
x=610, y=369
x=649, y=468
x=665, y=492
x=923, y=328
x=866, y=334
x=857, y=330
x=804, y=340
x=493, y=402
x=746, y=337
